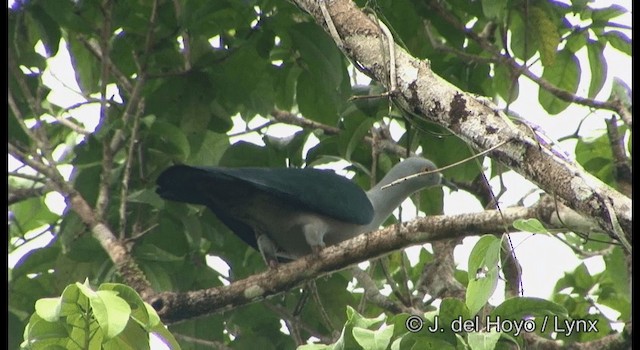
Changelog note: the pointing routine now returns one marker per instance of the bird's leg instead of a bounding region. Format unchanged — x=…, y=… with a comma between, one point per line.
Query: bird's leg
x=314, y=235
x=268, y=250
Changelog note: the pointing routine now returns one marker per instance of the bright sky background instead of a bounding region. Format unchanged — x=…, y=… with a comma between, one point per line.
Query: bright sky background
x=543, y=258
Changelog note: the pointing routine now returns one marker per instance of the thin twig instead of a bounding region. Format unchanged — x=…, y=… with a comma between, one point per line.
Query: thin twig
x=404, y=299
x=373, y=294
x=250, y=130
x=17, y=194
x=392, y=54
x=293, y=119
x=37, y=165
x=332, y=27
x=102, y=202
x=517, y=69
x=95, y=50
x=316, y=297
x=18, y=115
x=213, y=344
x=394, y=183
x=118, y=138
x=127, y=175
x=621, y=161
x=71, y=125
x=186, y=41
x=299, y=323
x=28, y=176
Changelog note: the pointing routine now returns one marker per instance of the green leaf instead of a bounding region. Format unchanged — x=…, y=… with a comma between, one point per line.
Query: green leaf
x=147, y=196
x=524, y=43
x=356, y=127
x=319, y=52
x=316, y=347
x=133, y=337
x=210, y=150
x=85, y=66
x=484, y=340
x=315, y=101
x=48, y=30
x=605, y=14
x=286, y=78
x=452, y=311
x=247, y=80
x=374, y=340
x=529, y=225
x=483, y=272
x=29, y=215
x=357, y=320
x=520, y=307
x=598, y=66
x=248, y=154
x=595, y=156
x=622, y=92
x=80, y=19
x=167, y=338
x=15, y=133
x=49, y=309
x=443, y=149
x=168, y=139
x=40, y=334
x=576, y=40
x=616, y=272
x=151, y=252
x=547, y=34
x=158, y=276
x=35, y=261
x=504, y=84
x=564, y=74
x=141, y=312
x=111, y=312
x=494, y=10
x=619, y=41
x=72, y=301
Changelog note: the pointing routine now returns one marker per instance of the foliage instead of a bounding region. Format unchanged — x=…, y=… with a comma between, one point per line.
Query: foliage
x=112, y=317
x=180, y=75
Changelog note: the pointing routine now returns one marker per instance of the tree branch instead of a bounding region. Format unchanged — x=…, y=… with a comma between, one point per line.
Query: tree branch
x=373, y=294
x=116, y=249
x=176, y=307
x=17, y=194
x=293, y=119
x=102, y=201
x=428, y=96
x=517, y=69
x=620, y=159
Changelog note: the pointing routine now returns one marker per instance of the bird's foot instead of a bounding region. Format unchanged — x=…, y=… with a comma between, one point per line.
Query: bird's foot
x=316, y=249
x=272, y=264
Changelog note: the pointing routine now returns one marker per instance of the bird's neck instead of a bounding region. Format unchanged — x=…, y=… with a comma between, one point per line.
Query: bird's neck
x=385, y=201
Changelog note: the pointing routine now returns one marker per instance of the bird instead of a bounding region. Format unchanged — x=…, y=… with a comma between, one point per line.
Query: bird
x=287, y=213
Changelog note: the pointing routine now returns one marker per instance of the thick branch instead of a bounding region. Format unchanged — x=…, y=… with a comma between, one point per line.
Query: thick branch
x=175, y=307
x=116, y=249
x=428, y=96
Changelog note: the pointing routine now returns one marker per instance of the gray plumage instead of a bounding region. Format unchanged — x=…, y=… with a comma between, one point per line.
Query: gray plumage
x=287, y=213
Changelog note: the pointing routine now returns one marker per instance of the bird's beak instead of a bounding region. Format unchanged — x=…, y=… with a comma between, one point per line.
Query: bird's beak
x=448, y=183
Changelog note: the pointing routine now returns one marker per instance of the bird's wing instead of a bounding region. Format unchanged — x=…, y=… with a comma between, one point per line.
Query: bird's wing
x=320, y=191
x=315, y=190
